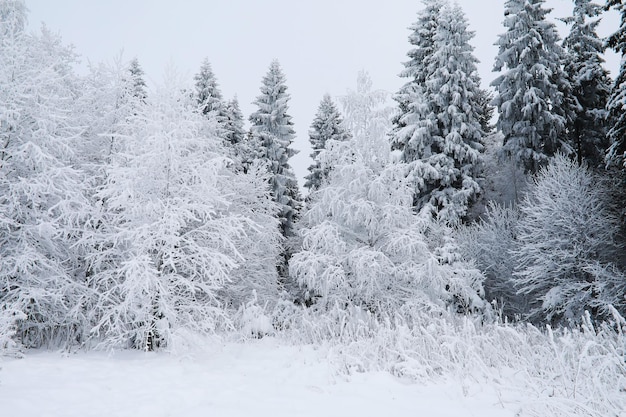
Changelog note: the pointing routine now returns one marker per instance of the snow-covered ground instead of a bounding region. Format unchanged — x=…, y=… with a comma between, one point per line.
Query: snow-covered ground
x=255, y=378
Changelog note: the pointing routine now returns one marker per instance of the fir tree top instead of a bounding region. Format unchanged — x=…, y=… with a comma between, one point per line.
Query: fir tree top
x=272, y=116
x=207, y=90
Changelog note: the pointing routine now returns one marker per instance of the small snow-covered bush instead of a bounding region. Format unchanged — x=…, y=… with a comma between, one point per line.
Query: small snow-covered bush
x=253, y=320
x=9, y=317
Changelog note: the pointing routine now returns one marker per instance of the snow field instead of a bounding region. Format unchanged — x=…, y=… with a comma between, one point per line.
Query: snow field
x=262, y=378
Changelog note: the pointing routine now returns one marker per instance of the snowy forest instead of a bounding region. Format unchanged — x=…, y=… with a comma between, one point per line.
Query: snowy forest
x=445, y=228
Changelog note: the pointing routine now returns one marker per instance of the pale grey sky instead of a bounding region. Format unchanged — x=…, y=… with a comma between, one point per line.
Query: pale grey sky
x=321, y=44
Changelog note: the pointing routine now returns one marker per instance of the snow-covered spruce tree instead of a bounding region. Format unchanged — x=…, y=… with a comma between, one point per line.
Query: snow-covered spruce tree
x=590, y=83
x=233, y=125
x=170, y=239
x=532, y=93
x=440, y=135
x=271, y=137
x=236, y=137
x=327, y=125
x=617, y=101
x=363, y=244
x=41, y=201
x=483, y=99
x=136, y=80
x=208, y=93
x=566, y=240
x=416, y=70
x=210, y=98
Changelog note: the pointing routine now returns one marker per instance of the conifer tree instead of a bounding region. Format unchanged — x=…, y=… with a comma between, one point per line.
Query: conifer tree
x=137, y=81
x=273, y=134
x=233, y=125
x=617, y=101
x=416, y=70
x=208, y=93
x=590, y=83
x=532, y=92
x=440, y=135
x=485, y=109
x=326, y=126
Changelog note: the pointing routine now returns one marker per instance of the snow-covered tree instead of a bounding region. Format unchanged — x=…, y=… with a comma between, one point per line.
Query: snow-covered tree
x=532, y=93
x=483, y=99
x=272, y=134
x=566, y=240
x=363, y=244
x=256, y=278
x=416, y=69
x=42, y=206
x=367, y=117
x=137, y=80
x=492, y=242
x=233, y=125
x=106, y=103
x=440, y=133
x=236, y=137
x=422, y=38
x=617, y=101
x=327, y=125
x=589, y=81
x=208, y=93
x=170, y=240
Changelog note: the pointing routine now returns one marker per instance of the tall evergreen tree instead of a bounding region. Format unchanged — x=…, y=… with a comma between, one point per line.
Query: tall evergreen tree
x=617, y=101
x=327, y=125
x=416, y=70
x=272, y=135
x=590, y=83
x=531, y=93
x=440, y=135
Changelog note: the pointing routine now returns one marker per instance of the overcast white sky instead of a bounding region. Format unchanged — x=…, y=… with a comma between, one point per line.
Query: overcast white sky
x=321, y=44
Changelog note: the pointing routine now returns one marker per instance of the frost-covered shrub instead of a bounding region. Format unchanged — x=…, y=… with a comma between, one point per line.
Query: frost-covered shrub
x=567, y=372
x=566, y=244
x=9, y=318
x=491, y=243
x=253, y=320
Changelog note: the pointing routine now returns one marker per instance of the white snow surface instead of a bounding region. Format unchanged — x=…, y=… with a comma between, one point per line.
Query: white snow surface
x=261, y=378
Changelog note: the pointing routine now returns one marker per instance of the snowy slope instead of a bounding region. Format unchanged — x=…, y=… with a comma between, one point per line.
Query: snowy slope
x=260, y=378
